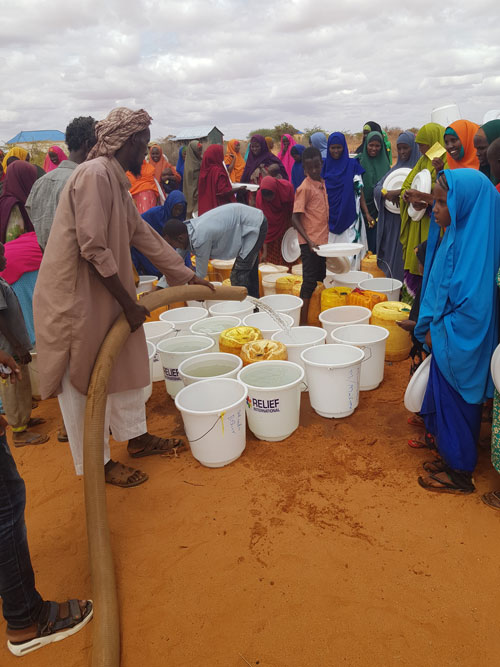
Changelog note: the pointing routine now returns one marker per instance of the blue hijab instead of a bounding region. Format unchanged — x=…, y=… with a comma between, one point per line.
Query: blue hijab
x=297, y=169
x=459, y=292
x=180, y=166
x=318, y=140
x=157, y=217
x=339, y=181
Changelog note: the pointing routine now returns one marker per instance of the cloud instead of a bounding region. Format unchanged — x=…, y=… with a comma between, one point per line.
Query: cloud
x=242, y=64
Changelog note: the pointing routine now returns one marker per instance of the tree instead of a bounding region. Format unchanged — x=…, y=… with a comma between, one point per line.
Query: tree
x=265, y=132
x=284, y=128
x=311, y=130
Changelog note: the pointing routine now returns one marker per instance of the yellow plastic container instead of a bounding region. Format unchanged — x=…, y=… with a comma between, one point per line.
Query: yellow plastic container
x=386, y=314
x=314, y=303
x=222, y=268
x=369, y=264
x=263, y=350
x=285, y=284
x=366, y=298
x=332, y=297
x=232, y=340
x=227, y=282
x=211, y=274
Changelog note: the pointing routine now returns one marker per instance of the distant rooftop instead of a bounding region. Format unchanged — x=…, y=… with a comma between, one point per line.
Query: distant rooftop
x=191, y=133
x=31, y=136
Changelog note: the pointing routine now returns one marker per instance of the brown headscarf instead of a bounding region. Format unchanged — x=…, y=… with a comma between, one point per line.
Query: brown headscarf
x=116, y=128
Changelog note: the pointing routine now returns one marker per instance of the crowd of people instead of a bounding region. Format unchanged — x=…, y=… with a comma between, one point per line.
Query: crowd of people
x=74, y=234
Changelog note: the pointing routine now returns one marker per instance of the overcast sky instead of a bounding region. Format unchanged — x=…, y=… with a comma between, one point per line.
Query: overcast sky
x=244, y=64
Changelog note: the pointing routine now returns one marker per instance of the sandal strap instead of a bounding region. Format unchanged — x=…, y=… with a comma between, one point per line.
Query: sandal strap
x=49, y=621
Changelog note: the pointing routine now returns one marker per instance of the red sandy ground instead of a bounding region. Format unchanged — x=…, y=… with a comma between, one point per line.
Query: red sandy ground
x=321, y=550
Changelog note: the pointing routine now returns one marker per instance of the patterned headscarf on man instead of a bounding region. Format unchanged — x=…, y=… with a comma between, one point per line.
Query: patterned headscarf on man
x=116, y=128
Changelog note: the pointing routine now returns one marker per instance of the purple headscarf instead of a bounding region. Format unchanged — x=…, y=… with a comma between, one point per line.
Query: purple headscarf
x=265, y=158
x=18, y=182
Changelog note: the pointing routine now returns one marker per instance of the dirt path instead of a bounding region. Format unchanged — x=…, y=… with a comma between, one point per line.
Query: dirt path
x=318, y=551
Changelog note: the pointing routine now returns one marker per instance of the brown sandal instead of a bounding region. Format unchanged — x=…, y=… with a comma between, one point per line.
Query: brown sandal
x=154, y=445
x=128, y=478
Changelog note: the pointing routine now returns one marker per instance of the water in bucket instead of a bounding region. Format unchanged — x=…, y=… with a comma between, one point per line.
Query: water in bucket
x=210, y=369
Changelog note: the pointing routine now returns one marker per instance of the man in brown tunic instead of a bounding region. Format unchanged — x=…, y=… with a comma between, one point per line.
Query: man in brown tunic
x=86, y=281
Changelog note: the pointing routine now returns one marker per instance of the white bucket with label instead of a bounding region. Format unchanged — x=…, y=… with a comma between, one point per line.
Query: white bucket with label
x=235, y=308
x=209, y=365
x=284, y=303
x=273, y=401
x=183, y=318
x=213, y=412
x=213, y=326
x=389, y=286
x=371, y=339
x=333, y=318
x=145, y=284
x=173, y=351
x=151, y=355
x=266, y=324
x=350, y=279
x=155, y=332
x=298, y=340
x=445, y=115
x=333, y=375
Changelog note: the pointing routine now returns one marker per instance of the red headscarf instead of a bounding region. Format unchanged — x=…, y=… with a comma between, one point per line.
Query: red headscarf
x=23, y=255
x=214, y=185
x=48, y=165
x=17, y=185
x=279, y=210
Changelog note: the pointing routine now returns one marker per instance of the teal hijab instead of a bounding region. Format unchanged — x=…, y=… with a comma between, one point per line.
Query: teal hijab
x=375, y=168
x=459, y=293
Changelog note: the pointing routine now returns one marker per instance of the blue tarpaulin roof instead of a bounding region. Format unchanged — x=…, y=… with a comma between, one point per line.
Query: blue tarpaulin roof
x=37, y=135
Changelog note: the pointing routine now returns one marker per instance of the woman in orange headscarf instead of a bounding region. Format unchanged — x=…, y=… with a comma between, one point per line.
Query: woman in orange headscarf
x=459, y=143
x=143, y=188
x=165, y=173
x=234, y=160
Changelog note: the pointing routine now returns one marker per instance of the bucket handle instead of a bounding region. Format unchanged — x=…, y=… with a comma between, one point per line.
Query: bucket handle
x=365, y=350
x=221, y=417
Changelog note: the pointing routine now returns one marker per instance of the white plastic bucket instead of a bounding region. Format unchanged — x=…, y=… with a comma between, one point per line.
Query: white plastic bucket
x=269, y=282
x=389, y=286
x=266, y=324
x=285, y=303
x=273, y=401
x=145, y=284
x=446, y=114
x=371, y=339
x=213, y=412
x=333, y=375
x=297, y=269
x=298, y=340
x=183, y=318
x=155, y=332
x=333, y=318
x=213, y=326
x=235, y=308
x=350, y=279
x=151, y=355
x=174, y=350
x=210, y=365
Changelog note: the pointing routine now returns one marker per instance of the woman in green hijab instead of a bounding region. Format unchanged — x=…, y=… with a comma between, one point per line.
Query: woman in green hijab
x=375, y=161
x=414, y=232
x=485, y=136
